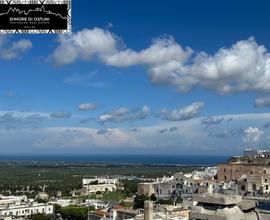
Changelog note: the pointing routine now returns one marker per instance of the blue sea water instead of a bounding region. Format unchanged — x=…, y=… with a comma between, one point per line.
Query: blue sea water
x=129, y=159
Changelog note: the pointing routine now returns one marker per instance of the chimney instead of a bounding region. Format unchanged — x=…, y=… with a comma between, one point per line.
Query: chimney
x=148, y=210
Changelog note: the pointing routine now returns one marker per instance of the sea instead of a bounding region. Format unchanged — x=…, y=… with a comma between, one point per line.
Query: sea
x=186, y=160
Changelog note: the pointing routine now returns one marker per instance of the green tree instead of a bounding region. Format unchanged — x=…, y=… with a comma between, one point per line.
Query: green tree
x=165, y=202
x=153, y=197
x=139, y=202
x=179, y=199
x=57, y=208
x=130, y=187
x=75, y=212
x=41, y=217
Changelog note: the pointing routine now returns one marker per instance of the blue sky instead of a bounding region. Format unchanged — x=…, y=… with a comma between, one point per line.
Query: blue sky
x=137, y=77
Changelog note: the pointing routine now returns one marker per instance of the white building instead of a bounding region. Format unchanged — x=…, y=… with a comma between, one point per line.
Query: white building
x=162, y=190
x=97, y=203
x=25, y=210
x=21, y=206
x=94, y=185
x=65, y=202
x=7, y=200
x=92, y=189
x=5, y=218
x=94, y=181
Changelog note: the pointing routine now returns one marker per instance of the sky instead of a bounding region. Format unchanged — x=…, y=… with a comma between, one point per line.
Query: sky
x=140, y=77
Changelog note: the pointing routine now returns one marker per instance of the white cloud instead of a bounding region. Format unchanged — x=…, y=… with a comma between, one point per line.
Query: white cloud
x=173, y=128
x=162, y=50
x=21, y=117
x=76, y=137
x=87, y=106
x=60, y=115
x=185, y=113
x=106, y=46
x=81, y=79
x=124, y=114
x=227, y=133
x=13, y=49
x=245, y=66
x=252, y=134
x=85, y=45
x=262, y=101
x=189, y=137
x=209, y=121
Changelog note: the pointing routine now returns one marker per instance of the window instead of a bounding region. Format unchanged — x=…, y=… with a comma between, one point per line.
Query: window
x=265, y=180
x=266, y=187
x=251, y=172
x=225, y=178
x=224, y=169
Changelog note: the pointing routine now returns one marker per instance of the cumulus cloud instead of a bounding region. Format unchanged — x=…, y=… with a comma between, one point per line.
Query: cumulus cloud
x=161, y=51
x=266, y=125
x=163, y=130
x=262, y=101
x=134, y=129
x=59, y=115
x=13, y=49
x=252, y=134
x=104, y=45
x=174, y=128
x=245, y=66
x=102, y=131
x=171, y=129
x=227, y=133
x=61, y=137
x=87, y=106
x=17, y=119
x=86, y=45
x=190, y=136
x=124, y=114
x=209, y=121
x=185, y=113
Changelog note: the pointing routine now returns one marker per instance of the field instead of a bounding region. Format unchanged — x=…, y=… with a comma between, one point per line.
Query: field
x=63, y=176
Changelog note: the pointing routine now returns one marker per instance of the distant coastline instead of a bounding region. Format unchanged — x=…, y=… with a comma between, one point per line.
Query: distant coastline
x=172, y=160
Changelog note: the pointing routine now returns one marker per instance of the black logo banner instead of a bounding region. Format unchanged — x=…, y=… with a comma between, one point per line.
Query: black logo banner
x=39, y=16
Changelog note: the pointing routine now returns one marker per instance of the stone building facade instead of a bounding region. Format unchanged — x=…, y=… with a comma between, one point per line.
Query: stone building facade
x=251, y=171
x=161, y=190
x=221, y=207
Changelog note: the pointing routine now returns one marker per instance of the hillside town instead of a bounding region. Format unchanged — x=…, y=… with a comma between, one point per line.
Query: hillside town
x=240, y=187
